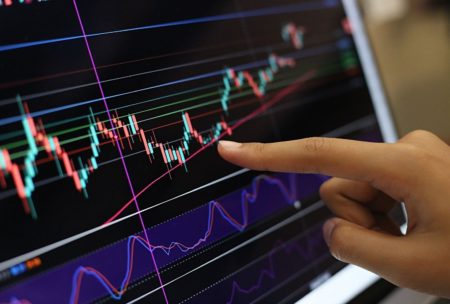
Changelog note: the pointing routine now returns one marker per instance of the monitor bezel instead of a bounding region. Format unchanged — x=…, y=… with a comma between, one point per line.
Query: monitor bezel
x=352, y=281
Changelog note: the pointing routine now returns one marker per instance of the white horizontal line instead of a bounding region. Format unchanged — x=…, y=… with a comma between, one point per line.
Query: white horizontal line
x=281, y=224
x=19, y=259
x=358, y=124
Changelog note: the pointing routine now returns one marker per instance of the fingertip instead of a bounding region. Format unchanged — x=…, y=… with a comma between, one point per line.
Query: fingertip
x=225, y=148
x=230, y=150
x=226, y=145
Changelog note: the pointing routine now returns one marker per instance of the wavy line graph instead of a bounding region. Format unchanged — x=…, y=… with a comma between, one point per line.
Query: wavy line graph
x=247, y=198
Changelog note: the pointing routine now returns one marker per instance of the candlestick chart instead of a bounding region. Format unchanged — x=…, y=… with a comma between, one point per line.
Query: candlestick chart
x=111, y=188
x=127, y=130
x=73, y=152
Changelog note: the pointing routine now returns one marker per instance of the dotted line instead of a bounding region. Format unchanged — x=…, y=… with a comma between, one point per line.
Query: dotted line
x=177, y=262
x=242, y=268
x=210, y=286
x=38, y=276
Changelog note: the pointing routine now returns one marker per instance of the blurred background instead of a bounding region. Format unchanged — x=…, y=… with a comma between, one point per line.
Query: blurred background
x=411, y=39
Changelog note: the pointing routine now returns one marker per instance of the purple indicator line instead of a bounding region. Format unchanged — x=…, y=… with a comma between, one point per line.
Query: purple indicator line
x=286, y=260
x=94, y=67
x=305, y=252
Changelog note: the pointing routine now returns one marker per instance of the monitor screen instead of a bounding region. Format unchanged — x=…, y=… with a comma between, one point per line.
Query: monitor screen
x=111, y=188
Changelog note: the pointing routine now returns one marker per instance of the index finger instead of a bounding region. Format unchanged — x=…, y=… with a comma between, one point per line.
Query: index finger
x=364, y=161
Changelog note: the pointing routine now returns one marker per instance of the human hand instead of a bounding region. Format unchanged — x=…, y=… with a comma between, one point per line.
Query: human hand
x=371, y=178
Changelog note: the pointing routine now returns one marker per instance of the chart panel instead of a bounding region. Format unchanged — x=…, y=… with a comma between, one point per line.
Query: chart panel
x=111, y=187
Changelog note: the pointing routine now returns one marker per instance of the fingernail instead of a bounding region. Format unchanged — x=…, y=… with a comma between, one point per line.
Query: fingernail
x=229, y=145
x=328, y=228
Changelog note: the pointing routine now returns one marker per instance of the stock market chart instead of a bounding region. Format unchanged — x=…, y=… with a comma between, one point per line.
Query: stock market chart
x=111, y=188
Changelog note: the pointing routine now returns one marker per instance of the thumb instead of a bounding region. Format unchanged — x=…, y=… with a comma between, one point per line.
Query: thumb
x=375, y=251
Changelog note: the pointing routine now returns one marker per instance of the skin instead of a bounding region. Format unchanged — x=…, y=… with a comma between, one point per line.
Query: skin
x=369, y=180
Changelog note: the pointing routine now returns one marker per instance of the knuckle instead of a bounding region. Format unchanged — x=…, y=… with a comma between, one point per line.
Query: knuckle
x=261, y=159
x=316, y=144
x=421, y=133
x=418, y=135
x=259, y=148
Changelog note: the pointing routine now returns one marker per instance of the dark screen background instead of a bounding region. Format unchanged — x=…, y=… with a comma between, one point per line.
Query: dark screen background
x=155, y=67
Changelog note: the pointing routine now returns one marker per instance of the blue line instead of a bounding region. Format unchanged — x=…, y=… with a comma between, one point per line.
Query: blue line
x=251, y=13
x=22, y=45
x=256, y=64
x=17, y=118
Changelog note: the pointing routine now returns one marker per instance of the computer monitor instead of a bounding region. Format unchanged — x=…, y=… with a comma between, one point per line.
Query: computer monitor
x=111, y=188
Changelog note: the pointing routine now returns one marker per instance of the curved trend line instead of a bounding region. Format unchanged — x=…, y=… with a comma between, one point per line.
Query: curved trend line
x=264, y=107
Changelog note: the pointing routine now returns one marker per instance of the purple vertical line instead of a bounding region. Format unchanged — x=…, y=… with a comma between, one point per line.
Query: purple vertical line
x=94, y=67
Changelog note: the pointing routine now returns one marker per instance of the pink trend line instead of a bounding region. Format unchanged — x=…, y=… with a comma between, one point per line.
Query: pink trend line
x=277, y=98
x=94, y=67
